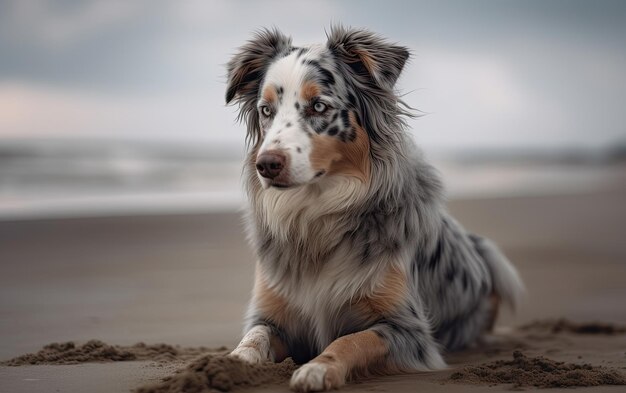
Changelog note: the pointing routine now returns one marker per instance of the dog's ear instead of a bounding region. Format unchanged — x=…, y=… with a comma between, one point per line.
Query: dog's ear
x=368, y=54
x=247, y=68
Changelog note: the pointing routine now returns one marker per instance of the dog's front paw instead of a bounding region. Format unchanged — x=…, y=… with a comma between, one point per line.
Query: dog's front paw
x=247, y=354
x=316, y=377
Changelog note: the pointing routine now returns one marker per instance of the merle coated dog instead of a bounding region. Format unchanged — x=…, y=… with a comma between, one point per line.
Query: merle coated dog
x=360, y=267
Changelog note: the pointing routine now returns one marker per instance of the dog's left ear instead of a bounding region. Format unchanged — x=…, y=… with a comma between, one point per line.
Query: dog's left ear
x=367, y=53
x=247, y=68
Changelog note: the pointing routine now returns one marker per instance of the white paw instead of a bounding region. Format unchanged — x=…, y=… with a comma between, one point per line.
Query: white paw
x=309, y=378
x=247, y=354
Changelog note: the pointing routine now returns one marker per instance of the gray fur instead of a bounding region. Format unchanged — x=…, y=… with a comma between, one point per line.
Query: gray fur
x=246, y=71
x=324, y=256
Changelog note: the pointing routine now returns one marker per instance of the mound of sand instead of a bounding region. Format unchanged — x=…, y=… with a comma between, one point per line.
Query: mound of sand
x=219, y=372
x=563, y=325
x=208, y=370
x=539, y=372
x=98, y=351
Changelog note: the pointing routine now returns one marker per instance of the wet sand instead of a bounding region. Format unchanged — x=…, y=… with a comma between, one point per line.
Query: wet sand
x=185, y=279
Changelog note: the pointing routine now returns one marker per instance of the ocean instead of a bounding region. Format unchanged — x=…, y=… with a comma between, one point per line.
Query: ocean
x=58, y=179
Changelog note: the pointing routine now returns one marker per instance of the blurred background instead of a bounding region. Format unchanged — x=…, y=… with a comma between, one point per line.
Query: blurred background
x=120, y=163
x=115, y=107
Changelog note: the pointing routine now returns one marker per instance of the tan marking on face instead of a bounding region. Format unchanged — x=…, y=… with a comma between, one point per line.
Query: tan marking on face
x=272, y=305
x=352, y=158
x=270, y=95
x=309, y=90
x=390, y=293
x=354, y=353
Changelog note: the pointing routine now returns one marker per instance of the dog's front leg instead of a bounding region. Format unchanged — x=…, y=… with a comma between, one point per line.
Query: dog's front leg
x=349, y=353
x=259, y=345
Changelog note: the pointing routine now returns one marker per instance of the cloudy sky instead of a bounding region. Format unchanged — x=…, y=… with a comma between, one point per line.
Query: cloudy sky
x=487, y=73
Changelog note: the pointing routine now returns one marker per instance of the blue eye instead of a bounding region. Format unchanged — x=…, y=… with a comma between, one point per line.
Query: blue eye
x=266, y=111
x=320, y=107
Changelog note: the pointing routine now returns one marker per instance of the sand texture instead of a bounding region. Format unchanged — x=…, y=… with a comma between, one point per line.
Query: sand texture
x=516, y=361
x=186, y=280
x=222, y=373
x=98, y=351
x=539, y=372
x=562, y=325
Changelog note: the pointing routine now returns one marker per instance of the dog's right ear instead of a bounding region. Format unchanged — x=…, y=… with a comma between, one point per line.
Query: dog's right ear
x=368, y=54
x=247, y=68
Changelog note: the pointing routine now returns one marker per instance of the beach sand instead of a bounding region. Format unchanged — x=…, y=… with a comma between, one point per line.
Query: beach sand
x=185, y=280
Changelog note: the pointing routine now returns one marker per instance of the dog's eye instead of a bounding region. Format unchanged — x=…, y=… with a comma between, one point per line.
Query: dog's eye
x=320, y=107
x=266, y=111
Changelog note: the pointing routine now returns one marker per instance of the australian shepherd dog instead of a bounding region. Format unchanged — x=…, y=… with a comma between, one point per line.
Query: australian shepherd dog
x=360, y=268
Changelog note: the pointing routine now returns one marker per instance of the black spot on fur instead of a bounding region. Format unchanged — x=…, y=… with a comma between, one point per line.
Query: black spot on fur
x=352, y=100
x=322, y=127
x=359, y=68
x=346, y=118
x=436, y=255
x=351, y=134
x=358, y=119
x=327, y=77
x=299, y=150
x=288, y=125
x=297, y=106
x=333, y=131
x=387, y=74
x=280, y=90
x=313, y=63
x=343, y=136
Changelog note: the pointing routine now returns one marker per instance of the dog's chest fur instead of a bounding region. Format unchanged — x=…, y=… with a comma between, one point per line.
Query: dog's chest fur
x=323, y=298
x=312, y=279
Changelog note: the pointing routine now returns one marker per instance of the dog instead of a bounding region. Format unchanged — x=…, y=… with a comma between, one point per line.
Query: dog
x=360, y=268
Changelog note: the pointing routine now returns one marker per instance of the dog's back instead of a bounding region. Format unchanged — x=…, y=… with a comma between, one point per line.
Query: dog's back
x=462, y=280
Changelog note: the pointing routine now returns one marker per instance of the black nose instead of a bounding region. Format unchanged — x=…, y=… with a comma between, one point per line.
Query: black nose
x=270, y=164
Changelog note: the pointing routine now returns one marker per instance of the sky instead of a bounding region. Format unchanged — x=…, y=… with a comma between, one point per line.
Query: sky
x=485, y=74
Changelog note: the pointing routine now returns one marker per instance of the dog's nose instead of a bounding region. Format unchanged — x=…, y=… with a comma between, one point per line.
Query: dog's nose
x=270, y=164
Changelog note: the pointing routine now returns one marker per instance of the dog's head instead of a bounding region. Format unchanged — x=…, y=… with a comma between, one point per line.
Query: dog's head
x=315, y=111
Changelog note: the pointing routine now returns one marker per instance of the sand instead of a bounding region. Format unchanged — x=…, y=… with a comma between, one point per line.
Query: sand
x=98, y=351
x=218, y=372
x=185, y=280
x=562, y=325
x=539, y=372
x=207, y=370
